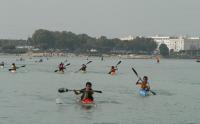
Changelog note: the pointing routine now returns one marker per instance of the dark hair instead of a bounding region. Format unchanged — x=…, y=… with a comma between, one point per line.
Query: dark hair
x=145, y=77
x=89, y=83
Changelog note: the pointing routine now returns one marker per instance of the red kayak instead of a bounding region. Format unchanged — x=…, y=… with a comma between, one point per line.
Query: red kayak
x=87, y=102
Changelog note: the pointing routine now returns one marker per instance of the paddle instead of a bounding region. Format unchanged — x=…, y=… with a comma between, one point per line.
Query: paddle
x=81, y=67
x=17, y=67
x=141, y=80
x=115, y=66
x=64, y=67
x=62, y=90
x=88, y=62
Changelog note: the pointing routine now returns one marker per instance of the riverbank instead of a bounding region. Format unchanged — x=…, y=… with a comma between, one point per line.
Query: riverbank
x=122, y=56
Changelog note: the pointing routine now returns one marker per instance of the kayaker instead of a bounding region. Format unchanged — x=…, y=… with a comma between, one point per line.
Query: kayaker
x=87, y=92
x=2, y=63
x=101, y=58
x=157, y=59
x=83, y=68
x=13, y=66
x=41, y=60
x=144, y=83
x=61, y=67
x=112, y=70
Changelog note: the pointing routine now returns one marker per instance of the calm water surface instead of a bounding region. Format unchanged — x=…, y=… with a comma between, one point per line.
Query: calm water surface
x=29, y=95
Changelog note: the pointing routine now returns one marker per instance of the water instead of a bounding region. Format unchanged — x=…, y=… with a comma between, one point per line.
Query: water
x=29, y=95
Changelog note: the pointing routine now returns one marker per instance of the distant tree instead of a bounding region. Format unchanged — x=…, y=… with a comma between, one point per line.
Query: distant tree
x=81, y=43
x=8, y=47
x=164, y=50
x=43, y=39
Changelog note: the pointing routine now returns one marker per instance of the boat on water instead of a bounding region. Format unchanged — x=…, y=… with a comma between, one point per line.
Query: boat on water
x=86, y=103
x=198, y=60
x=60, y=72
x=83, y=71
x=144, y=92
x=113, y=73
x=13, y=71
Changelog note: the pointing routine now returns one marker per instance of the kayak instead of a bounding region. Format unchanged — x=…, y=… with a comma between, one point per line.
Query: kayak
x=60, y=72
x=113, y=73
x=13, y=71
x=1, y=66
x=143, y=92
x=87, y=103
x=83, y=72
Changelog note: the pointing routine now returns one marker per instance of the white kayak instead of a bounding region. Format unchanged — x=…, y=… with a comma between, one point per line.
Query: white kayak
x=144, y=92
x=60, y=72
x=13, y=71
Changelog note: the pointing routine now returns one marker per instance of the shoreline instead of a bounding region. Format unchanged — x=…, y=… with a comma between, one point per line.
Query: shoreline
x=124, y=56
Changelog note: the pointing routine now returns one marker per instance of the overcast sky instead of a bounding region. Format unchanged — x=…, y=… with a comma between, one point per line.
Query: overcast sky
x=111, y=18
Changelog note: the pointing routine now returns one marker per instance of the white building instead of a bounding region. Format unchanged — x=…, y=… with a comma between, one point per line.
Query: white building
x=127, y=38
x=161, y=40
x=192, y=43
x=178, y=43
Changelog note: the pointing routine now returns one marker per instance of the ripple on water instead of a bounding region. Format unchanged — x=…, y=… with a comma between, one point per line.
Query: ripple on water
x=106, y=123
x=107, y=102
x=196, y=83
x=164, y=93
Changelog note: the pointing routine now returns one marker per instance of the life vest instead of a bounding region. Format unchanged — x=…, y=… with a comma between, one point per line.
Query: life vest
x=144, y=85
x=86, y=94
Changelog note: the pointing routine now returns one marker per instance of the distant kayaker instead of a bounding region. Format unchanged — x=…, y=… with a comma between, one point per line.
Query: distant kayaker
x=2, y=63
x=83, y=68
x=113, y=70
x=13, y=66
x=143, y=83
x=41, y=60
x=157, y=59
x=87, y=92
x=101, y=58
x=61, y=67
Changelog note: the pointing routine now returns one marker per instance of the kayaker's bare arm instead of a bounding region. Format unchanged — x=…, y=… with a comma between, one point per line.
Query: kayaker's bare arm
x=77, y=93
x=138, y=82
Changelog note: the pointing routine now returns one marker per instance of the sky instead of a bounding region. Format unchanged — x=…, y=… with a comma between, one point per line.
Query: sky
x=111, y=18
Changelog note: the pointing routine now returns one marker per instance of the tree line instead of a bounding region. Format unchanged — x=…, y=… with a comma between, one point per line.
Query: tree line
x=81, y=43
x=9, y=46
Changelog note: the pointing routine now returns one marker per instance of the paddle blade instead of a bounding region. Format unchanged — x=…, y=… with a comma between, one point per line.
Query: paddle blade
x=67, y=64
x=23, y=66
x=88, y=62
x=61, y=90
x=97, y=91
x=135, y=72
x=118, y=63
x=152, y=92
x=55, y=70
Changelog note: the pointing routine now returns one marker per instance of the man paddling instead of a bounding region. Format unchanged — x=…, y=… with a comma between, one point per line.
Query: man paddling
x=113, y=70
x=83, y=68
x=13, y=67
x=2, y=64
x=61, y=67
x=144, y=84
x=87, y=92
